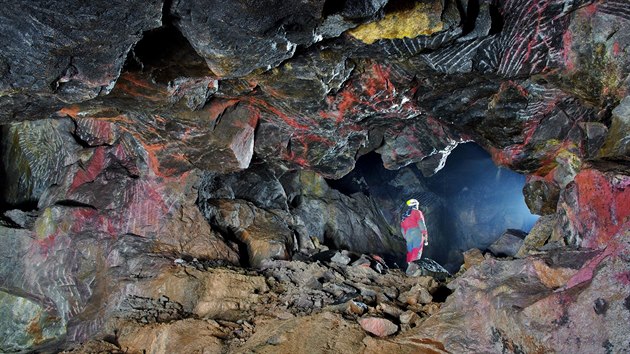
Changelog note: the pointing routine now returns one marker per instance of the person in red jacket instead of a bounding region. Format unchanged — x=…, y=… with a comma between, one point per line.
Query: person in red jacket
x=415, y=232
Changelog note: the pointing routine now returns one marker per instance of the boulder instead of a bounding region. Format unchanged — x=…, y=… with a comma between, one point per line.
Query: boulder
x=490, y=299
x=541, y=196
x=594, y=208
x=379, y=327
x=472, y=257
x=537, y=236
x=265, y=235
x=508, y=244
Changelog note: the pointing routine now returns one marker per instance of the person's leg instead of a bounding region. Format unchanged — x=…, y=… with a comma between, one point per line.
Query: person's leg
x=414, y=249
x=414, y=244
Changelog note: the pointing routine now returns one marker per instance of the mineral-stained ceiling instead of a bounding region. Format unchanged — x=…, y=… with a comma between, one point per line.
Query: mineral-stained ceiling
x=138, y=132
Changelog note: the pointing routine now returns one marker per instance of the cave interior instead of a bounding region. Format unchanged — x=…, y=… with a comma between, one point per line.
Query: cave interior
x=188, y=175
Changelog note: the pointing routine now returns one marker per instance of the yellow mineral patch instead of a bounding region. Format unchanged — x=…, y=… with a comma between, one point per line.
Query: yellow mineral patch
x=45, y=224
x=423, y=19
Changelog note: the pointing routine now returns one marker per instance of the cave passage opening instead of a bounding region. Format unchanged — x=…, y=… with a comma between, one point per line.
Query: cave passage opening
x=468, y=204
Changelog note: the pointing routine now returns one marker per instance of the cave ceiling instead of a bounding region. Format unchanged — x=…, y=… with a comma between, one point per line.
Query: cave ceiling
x=316, y=84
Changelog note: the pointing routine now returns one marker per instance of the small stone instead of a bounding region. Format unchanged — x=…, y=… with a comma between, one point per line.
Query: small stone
x=356, y=307
x=379, y=327
x=340, y=258
x=431, y=308
x=277, y=339
x=600, y=306
x=416, y=295
x=408, y=317
x=389, y=309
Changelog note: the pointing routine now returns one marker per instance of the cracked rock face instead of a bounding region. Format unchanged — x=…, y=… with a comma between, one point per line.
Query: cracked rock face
x=146, y=146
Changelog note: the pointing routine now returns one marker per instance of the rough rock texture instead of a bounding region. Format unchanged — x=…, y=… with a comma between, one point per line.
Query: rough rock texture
x=68, y=51
x=115, y=114
x=508, y=244
x=276, y=212
x=286, y=307
x=538, y=235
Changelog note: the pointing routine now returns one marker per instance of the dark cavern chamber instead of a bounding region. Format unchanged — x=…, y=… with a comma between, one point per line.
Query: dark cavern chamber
x=203, y=176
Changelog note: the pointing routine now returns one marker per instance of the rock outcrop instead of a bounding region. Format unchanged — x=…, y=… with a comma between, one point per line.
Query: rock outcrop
x=149, y=148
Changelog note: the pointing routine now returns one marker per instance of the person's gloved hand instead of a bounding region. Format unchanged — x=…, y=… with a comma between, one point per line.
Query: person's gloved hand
x=426, y=243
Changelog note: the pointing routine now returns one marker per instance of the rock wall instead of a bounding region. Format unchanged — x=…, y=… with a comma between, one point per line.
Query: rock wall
x=138, y=136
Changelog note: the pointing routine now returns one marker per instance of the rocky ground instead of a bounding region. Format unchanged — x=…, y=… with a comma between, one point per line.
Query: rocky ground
x=336, y=304
x=337, y=301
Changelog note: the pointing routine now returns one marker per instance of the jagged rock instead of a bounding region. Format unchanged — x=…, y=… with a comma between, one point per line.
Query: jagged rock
x=541, y=85
x=379, y=327
x=340, y=258
x=508, y=244
x=389, y=309
x=30, y=151
x=596, y=60
x=147, y=310
x=544, y=283
x=541, y=196
x=427, y=266
x=188, y=233
x=257, y=184
x=266, y=35
x=71, y=51
x=617, y=144
x=265, y=234
x=408, y=317
x=25, y=220
x=416, y=295
x=356, y=308
x=537, y=236
x=472, y=257
x=594, y=208
x=337, y=220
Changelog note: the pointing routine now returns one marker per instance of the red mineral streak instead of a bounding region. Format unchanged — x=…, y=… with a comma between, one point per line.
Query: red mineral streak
x=292, y=122
x=586, y=273
x=153, y=152
x=602, y=208
x=348, y=101
x=591, y=9
x=616, y=49
x=521, y=90
x=138, y=86
x=71, y=111
x=567, y=41
x=623, y=278
x=217, y=107
x=94, y=167
x=98, y=128
x=45, y=244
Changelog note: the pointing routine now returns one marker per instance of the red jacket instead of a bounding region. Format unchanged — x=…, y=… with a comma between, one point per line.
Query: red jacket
x=415, y=219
